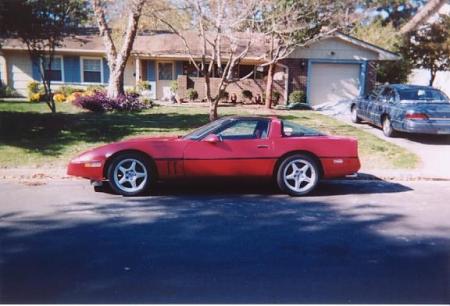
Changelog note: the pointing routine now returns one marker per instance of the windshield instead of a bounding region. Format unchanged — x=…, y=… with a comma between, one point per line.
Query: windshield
x=291, y=129
x=204, y=130
x=422, y=94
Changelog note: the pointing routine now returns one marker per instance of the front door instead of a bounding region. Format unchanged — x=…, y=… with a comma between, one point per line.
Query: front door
x=243, y=150
x=166, y=75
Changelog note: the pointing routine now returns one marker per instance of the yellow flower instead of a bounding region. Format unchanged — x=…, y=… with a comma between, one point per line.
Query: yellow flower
x=59, y=98
x=73, y=96
x=36, y=97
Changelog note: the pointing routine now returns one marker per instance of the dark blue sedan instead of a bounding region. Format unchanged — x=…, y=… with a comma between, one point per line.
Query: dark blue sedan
x=404, y=108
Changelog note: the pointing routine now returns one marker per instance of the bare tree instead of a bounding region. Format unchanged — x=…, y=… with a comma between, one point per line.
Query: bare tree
x=225, y=31
x=289, y=24
x=117, y=60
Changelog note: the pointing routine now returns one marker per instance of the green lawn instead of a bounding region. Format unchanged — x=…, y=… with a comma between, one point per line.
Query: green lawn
x=31, y=136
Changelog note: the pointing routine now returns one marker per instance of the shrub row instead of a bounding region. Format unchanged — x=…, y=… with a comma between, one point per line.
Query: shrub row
x=99, y=102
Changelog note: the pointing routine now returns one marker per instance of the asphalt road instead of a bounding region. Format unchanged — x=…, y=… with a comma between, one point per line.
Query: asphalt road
x=351, y=242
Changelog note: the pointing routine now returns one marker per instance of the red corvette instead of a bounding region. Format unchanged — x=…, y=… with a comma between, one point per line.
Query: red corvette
x=258, y=147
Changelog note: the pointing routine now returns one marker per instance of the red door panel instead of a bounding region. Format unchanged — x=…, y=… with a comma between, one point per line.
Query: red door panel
x=252, y=157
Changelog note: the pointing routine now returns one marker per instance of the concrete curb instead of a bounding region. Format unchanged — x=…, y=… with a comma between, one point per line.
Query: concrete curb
x=38, y=175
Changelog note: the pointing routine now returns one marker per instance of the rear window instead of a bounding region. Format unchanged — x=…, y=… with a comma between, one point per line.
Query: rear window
x=291, y=129
x=422, y=94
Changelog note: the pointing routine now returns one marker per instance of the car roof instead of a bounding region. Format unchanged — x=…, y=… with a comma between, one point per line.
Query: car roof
x=409, y=86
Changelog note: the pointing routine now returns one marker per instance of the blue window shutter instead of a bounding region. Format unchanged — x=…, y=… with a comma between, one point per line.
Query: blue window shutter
x=72, y=72
x=35, y=69
x=151, y=74
x=105, y=70
x=178, y=68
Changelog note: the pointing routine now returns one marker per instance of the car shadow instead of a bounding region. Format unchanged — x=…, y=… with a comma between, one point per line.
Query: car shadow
x=428, y=139
x=373, y=185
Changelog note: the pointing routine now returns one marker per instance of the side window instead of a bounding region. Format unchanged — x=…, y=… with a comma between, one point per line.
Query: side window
x=389, y=95
x=246, y=129
x=374, y=94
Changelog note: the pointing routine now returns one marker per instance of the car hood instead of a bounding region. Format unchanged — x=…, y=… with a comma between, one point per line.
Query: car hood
x=149, y=138
x=101, y=152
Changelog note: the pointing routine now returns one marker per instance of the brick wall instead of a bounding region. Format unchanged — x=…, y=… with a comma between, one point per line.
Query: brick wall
x=257, y=87
x=298, y=72
x=371, y=76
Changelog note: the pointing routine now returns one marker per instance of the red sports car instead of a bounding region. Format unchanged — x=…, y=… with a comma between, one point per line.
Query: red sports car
x=296, y=157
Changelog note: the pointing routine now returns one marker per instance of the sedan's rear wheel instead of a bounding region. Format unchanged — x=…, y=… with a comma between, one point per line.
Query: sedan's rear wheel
x=129, y=174
x=298, y=175
x=388, y=130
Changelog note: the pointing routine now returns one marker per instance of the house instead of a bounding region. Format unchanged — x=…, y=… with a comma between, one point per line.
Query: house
x=422, y=76
x=332, y=68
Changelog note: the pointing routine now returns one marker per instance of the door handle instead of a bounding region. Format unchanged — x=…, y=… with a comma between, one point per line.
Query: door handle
x=262, y=146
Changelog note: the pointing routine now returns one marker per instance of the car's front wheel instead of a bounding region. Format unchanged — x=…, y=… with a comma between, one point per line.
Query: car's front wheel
x=129, y=174
x=298, y=175
x=388, y=130
x=354, y=115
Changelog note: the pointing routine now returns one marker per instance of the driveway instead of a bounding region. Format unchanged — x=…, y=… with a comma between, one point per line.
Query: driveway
x=350, y=242
x=433, y=150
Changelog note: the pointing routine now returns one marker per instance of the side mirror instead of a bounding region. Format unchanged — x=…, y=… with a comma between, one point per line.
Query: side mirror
x=212, y=138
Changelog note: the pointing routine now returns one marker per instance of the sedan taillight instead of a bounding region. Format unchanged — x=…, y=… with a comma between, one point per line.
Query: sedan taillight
x=416, y=116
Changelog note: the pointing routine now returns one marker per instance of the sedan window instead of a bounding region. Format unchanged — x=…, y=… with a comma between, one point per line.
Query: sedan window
x=374, y=94
x=388, y=95
x=422, y=94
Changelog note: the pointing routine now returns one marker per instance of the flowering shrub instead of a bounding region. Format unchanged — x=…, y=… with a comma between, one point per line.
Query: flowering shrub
x=73, y=96
x=99, y=102
x=33, y=88
x=192, y=94
x=59, y=97
x=35, y=97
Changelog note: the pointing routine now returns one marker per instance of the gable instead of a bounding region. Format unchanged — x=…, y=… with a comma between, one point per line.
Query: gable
x=334, y=48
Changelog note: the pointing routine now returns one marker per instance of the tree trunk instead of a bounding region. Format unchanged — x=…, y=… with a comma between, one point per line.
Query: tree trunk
x=269, y=85
x=115, y=86
x=49, y=96
x=117, y=61
x=433, y=76
x=213, y=110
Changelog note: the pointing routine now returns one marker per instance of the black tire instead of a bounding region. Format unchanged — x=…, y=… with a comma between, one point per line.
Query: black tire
x=143, y=165
x=284, y=168
x=388, y=130
x=354, y=114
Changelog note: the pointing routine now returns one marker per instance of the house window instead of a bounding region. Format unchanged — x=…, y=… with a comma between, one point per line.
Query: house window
x=55, y=71
x=92, y=70
x=165, y=71
x=190, y=70
x=245, y=70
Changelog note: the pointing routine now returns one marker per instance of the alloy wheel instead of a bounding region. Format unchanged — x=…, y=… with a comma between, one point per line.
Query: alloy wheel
x=299, y=175
x=130, y=175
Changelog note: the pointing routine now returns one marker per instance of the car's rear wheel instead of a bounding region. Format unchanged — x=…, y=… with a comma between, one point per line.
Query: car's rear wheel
x=129, y=174
x=298, y=175
x=354, y=115
x=388, y=130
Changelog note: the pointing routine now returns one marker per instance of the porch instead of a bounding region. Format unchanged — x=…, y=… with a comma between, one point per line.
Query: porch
x=162, y=72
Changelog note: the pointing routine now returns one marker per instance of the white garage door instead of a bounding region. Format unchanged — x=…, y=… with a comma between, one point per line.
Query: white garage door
x=333, y=82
